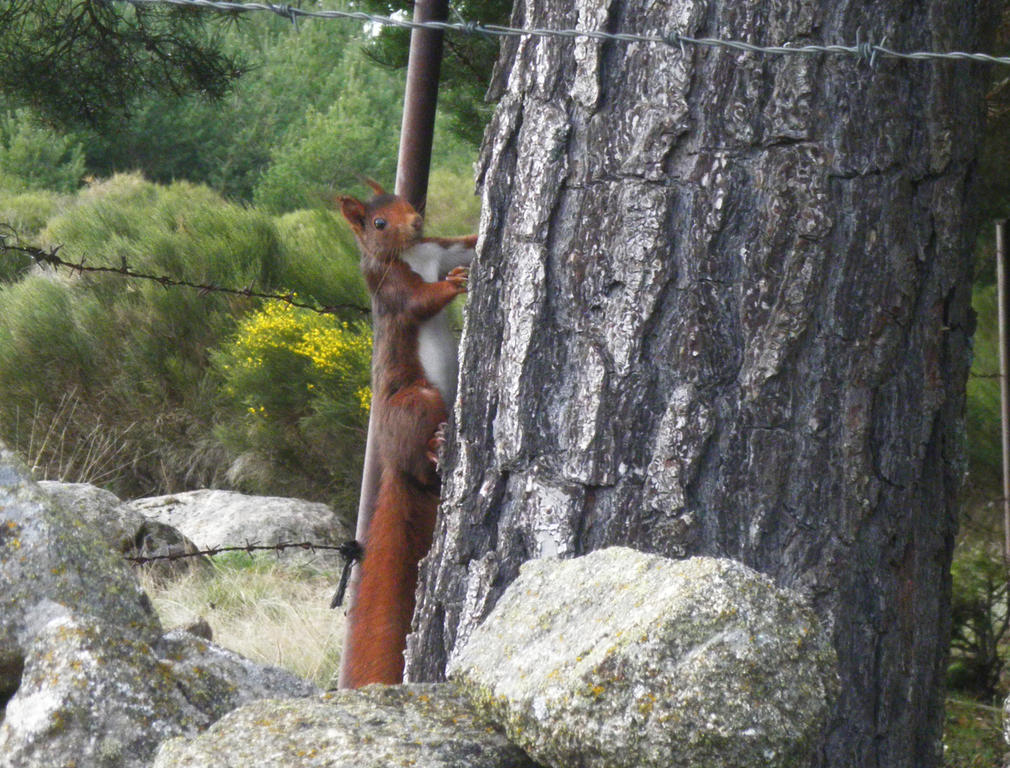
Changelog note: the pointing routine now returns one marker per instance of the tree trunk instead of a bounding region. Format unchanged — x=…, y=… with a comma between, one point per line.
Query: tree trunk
x=722, y=307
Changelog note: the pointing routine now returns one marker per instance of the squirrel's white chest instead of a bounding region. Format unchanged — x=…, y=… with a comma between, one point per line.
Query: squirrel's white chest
x=436, y=343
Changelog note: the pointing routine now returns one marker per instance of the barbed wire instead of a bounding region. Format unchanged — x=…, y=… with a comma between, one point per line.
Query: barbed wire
x=345, y=549
x=867, y=51
x=52, y=259
x=351, y=551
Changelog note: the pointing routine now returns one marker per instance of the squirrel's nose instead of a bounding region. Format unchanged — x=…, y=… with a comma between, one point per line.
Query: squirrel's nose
x=417, y=222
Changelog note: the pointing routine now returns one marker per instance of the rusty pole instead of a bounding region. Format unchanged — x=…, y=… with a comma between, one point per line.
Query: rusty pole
x=413, y=163
x=1004, y=373
x=420, y=100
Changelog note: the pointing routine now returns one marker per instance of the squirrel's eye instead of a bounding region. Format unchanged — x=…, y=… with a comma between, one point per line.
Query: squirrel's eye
x=379, y=223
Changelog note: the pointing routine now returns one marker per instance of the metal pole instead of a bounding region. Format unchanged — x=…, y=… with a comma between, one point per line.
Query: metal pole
x=420, y=100
x=1004, y=373
x=413, y=164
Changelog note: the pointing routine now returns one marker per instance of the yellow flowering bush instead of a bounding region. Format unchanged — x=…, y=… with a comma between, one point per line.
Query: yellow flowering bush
x=284, y=357
x=298, y=384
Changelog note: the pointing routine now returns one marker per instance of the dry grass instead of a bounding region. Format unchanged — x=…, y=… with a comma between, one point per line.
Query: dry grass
x=268, y=611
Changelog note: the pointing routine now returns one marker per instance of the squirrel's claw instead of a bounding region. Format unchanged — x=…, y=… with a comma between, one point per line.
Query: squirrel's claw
x=459, y=278
x=435, y=445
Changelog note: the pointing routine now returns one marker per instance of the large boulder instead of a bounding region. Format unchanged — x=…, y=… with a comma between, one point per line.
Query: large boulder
x=126, y=529
x=624, y=659
x=91, y=692
x=48, y=554
x=427, y=725
x=228, y=519
x=87, y=677
x=98, y=507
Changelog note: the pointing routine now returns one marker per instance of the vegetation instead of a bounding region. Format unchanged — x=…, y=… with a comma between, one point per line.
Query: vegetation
x=298, y=386
x=467, y=64
x=223, y=173
x=145, y=389
x=84, y=62
x=973, y=736
x=271, y=611
x=170, y=376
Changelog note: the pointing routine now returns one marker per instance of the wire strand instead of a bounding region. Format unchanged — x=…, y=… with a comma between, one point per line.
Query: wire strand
x=52, y=259
x=863, y=50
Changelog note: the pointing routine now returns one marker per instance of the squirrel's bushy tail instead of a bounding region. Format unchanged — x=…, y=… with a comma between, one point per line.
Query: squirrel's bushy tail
x=399, y=535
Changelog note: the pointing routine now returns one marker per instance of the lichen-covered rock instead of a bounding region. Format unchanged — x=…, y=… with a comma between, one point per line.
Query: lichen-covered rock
x=624, y=659
x=98, y=507
x=95, y=694
x=217, y=680
x=427, y=725
x=91, y=695
x=214, y=518
x=124, y=528
x=86, y=676
x=47, y=553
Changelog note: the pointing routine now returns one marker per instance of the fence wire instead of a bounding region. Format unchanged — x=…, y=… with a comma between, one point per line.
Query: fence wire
x=345, y=550
x=51, y=258
x=868, y=51
x=350, y=551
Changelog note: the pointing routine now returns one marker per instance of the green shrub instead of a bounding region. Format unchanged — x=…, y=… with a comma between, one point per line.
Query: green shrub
x=298, y=382
x=33, y=156
x=317, y=257
x=980, y=612
x=983, y=403
x=227, y=143
x=136, y=354
x=56, y=407
x=23, y=216
x=194, y=389
x=330, y=152
x=27, y=212
x=452, y=207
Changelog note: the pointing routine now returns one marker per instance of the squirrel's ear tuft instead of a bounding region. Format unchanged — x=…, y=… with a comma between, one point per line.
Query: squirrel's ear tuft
x=374, y=185
x=354, y=212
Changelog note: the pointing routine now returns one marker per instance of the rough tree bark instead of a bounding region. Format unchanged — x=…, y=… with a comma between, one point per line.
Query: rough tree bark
x=722, y=307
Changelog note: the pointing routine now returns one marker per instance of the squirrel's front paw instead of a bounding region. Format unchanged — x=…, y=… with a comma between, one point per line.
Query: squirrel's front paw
x=458, y=277
x=434, y=451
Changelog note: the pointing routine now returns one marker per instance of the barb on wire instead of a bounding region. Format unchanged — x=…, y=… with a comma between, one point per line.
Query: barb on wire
x=352, y=552
x=864, y=50
x=52, y=258
x=247, y=548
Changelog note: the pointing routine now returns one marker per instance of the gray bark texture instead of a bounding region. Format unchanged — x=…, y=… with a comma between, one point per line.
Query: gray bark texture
x=721, y=307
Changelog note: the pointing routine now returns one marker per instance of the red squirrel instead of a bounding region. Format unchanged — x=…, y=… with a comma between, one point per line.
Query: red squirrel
x=414, y=377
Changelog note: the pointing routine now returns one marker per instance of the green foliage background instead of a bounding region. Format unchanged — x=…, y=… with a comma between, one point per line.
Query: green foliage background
x=147, y=390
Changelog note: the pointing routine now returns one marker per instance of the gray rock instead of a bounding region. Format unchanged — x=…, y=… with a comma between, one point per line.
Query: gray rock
x=226, y=518
x=217, y=680
x=427, y=725
x=86, y=676
x=624, y=659
x=49, y=554
x=126, y=529
x=94, y=693
x=99, y=507
x=91, y=693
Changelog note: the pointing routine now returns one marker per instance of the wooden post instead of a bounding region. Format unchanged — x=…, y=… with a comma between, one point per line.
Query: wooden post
x=413, y=164
x=1004, y=373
